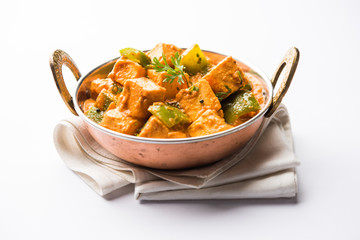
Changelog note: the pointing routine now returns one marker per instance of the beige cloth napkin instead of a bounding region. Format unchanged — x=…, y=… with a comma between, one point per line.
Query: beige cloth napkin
x=264, y=168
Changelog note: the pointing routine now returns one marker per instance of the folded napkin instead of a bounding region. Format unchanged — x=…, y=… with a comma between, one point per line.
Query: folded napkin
x=264, y=168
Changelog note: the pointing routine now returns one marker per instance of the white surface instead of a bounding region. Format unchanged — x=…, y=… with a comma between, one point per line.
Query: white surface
x=41, y=199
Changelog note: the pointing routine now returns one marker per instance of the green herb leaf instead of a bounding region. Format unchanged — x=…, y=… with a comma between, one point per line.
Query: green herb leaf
x=172, y=72
x=221, y=95
x=241, y=78
x=246, y=86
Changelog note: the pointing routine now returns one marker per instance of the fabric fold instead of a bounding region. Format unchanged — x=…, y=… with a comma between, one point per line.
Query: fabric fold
x=264, y=168
x=279, y=185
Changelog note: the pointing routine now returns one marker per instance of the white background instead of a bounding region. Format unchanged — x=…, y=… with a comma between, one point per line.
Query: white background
x=41, y=199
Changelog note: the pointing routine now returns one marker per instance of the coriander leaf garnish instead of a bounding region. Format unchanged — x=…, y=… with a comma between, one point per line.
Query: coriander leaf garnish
x=172, y=73
x=241, y=78
x=222, y=95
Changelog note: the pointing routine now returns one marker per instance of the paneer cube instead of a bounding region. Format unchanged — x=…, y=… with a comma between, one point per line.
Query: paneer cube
x=224, y=78
x=208, y=123
x=120, y=122
x=195, y=78
x=125, y=69
x=196, y=100
x=168, y=50
x=171, y=88
x=104, y=99
x=177, y=134
x=154, y=128
x=99, y=84
x=138, y=94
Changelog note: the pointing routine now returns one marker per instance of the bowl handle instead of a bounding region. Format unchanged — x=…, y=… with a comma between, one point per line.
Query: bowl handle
x=289, y=63
x=57, y=60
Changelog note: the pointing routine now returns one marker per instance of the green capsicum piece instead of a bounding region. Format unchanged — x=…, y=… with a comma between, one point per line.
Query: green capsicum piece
x=169, y=115
x=239, y=104
x=136, y=56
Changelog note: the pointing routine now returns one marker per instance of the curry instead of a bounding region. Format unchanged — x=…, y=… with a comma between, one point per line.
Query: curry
x=169, y=92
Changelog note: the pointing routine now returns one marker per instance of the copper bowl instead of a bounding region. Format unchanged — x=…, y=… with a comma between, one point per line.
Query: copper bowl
x=172, y=153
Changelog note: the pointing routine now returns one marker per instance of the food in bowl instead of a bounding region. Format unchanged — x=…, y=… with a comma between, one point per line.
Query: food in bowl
x=171, y=153
x=169, y=92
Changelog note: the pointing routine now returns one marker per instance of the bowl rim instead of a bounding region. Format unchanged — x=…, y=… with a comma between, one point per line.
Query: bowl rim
x=178, y=140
